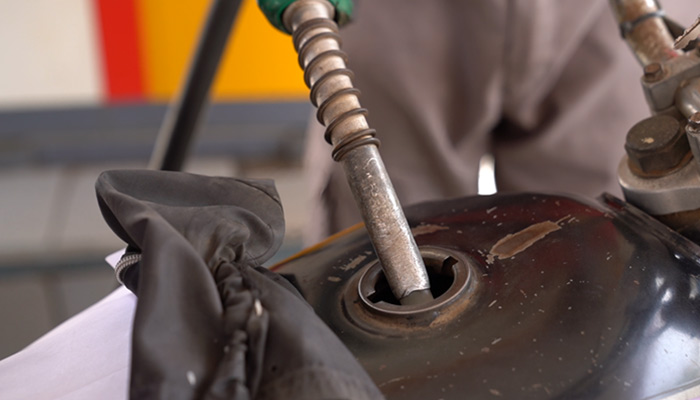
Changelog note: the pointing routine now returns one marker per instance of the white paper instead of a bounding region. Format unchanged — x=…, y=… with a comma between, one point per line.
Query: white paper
x=86, y=357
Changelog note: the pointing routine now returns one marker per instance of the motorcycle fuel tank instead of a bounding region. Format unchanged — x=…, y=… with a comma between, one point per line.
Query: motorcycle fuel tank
x=536, y=296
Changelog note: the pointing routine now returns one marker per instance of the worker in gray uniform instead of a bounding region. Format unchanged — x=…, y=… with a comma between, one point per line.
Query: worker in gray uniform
x=546, y=86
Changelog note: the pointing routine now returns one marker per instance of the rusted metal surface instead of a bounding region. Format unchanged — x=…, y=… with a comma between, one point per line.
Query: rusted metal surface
x=643, y=28
x=653, y=72
x=672, y=193
x=657, y=146
x=603, y=306
x=661, y=88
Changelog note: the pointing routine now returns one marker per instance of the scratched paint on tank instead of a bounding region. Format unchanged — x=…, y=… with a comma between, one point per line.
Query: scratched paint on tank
x=600, y=306
x=514, y=243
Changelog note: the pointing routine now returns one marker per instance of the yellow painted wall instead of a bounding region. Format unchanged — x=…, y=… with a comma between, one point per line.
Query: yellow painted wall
x=259, y=63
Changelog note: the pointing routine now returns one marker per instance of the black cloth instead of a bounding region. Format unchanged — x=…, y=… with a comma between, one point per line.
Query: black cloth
x=210, y=323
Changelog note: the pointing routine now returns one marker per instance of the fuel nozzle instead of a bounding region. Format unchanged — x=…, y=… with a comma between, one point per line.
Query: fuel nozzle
x=314, y=28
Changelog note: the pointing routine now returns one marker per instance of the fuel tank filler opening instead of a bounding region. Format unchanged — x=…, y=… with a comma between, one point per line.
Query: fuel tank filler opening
x=370, y=303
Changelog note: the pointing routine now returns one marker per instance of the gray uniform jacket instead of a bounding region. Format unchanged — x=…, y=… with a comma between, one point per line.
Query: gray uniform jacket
x=546, y=86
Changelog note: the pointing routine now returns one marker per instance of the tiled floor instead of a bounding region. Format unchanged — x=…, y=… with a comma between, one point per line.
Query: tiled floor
x=52, y=240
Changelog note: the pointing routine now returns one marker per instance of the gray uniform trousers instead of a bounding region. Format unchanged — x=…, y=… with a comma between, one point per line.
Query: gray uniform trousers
x=547, y=86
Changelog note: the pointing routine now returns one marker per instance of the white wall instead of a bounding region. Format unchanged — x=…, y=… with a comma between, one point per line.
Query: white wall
x=48, y=53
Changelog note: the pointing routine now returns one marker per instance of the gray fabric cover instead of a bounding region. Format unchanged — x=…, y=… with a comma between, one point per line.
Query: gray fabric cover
x=210, y=323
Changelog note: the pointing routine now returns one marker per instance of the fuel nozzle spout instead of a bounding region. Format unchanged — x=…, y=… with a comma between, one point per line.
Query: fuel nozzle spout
x=314, y=30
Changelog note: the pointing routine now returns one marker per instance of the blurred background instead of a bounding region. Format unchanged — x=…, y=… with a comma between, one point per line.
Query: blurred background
x=84, y=85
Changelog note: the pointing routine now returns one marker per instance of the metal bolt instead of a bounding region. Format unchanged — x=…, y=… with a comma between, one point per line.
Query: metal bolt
x=653, y=72
x=657, y=146
x=694, y=123
x=692, y=130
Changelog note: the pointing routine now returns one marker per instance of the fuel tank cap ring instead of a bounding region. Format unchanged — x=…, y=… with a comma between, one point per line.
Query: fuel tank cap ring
x=369, y=302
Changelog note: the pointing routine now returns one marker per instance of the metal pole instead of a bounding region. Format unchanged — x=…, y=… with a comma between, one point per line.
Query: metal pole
x=355, y=147
x=181, y=120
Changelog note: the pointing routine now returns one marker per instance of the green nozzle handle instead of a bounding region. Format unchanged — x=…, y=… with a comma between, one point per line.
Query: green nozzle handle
x=273, y=10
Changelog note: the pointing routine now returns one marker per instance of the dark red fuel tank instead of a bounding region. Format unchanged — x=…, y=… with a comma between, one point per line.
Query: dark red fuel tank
x=537, y=296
